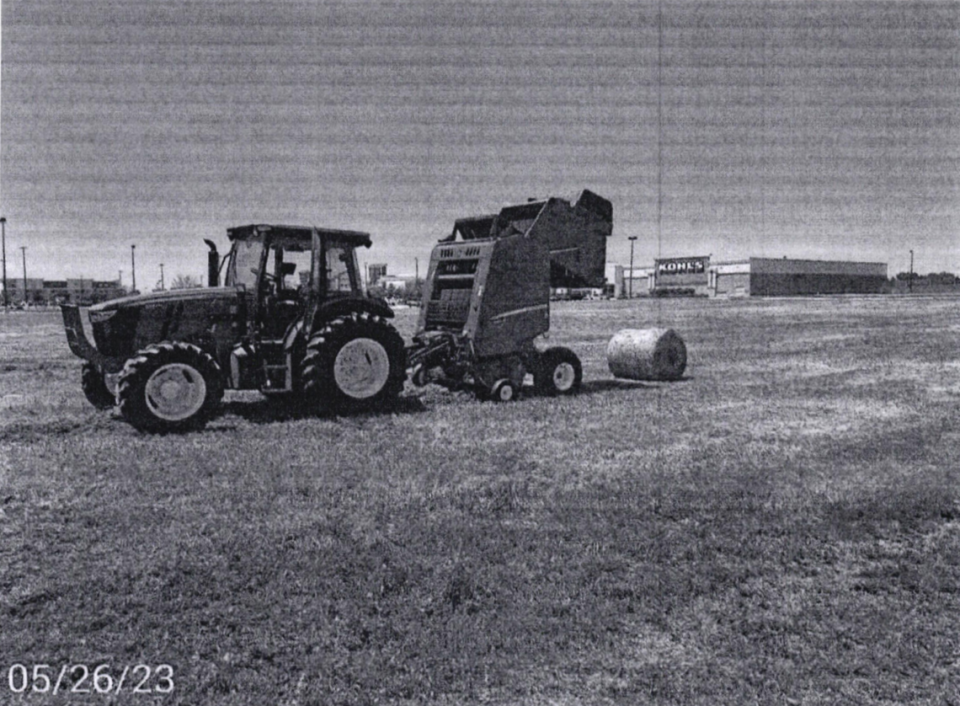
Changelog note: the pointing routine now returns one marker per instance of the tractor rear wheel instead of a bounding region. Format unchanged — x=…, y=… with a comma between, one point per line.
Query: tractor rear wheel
x=559, y=372
x=95, y=387
x=169, y=387
x=354, y=363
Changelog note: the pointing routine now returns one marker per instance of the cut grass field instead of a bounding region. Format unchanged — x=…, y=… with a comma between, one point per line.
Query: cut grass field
x=781, y=526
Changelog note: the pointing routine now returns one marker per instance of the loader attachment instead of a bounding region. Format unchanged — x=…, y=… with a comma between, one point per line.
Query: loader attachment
x=79, y=344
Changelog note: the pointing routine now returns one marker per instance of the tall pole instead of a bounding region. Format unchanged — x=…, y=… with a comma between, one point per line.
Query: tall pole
x=133, y=268
x=3, y=233
x=910, y=281
x=161, y=277
x=632, y=239
x=23, y=249
x=417, y=290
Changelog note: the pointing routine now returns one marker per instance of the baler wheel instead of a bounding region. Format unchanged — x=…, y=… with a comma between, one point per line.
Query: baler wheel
x=503, y=391
x=559, y=372
x=95, y=387
x=169, y=387
x=419, y=375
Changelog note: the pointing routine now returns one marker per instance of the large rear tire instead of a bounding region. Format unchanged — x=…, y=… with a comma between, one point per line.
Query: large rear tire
x=95, y=387
x=559, y=372
x=169, y=387
x=354, y=363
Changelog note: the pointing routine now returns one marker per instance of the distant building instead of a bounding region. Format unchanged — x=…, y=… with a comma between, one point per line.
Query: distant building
x=575, y=293
x=375, y=273
x=396, y=284
x=759, y=276
x=681, y=276
x=636, y=283
x=755, y=276
x=65, y=291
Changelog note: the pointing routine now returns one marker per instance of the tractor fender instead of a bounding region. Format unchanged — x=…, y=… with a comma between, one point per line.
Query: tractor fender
x=351, y=305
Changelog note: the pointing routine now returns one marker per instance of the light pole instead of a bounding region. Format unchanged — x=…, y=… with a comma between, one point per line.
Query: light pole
x=23, y=249
x=910, y=281
x=133, y=269
x=632, y=239
x=3, y=234
x=161, y=277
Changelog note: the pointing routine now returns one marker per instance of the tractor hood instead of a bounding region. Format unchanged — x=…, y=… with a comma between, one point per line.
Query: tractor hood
x=121, y=327
x=169, y=296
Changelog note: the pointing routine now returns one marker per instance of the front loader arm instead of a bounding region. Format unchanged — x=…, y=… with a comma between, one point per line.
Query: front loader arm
x=79, y=343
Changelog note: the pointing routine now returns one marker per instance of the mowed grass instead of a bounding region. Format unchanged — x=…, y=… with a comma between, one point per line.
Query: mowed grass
x=781, y=527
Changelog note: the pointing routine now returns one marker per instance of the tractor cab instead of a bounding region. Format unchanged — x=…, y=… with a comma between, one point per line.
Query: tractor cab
x=286, y=271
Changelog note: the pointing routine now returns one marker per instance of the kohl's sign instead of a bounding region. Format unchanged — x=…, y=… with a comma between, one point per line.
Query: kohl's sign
x=682, y=266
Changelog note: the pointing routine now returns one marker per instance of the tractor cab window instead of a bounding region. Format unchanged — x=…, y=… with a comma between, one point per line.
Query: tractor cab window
x=289, y=266
x=244, y=264
x=341, y=268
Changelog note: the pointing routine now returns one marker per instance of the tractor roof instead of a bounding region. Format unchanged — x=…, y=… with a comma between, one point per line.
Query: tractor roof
x=354, y=237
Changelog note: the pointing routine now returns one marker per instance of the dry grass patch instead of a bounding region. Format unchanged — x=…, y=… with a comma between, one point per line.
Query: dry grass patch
x=779, y=527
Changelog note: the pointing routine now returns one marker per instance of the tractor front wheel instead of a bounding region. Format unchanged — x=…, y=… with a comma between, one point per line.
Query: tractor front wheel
x=169, y=387
x=559, y=372
x=95, y=387
x=354, y=363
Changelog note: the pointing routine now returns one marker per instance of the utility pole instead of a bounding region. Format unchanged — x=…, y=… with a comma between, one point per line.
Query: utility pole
x=161, y=277
x=23, y=250
x=910, y=281
x=133, y=269
x=3, y=233
x=632, y=239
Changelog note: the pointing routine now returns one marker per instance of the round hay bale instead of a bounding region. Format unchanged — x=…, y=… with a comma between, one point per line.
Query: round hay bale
x=647, y=354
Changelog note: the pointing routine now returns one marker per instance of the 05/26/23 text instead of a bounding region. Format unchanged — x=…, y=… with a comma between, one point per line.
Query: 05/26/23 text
x=81, y=678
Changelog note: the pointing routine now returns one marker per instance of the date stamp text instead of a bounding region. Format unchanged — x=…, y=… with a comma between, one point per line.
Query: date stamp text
x=89, y=679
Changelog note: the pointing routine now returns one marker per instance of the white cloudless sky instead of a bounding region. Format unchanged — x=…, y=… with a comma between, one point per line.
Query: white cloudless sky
x=762, y=128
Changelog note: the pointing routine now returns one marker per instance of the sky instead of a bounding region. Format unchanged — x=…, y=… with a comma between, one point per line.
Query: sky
x=822, y=130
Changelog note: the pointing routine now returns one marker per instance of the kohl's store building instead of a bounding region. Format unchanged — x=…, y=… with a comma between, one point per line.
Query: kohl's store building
x=751, y=277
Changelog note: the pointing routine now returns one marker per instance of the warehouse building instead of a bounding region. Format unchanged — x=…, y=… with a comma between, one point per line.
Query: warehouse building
x=755, y=276
x=627, y=283
x=81, y=291
x=759, y=277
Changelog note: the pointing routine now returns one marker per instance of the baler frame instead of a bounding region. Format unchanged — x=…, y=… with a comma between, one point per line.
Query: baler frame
x=486, y=298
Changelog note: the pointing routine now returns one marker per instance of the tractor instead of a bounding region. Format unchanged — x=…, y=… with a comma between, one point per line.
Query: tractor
x=291, y=320
x=486, y=299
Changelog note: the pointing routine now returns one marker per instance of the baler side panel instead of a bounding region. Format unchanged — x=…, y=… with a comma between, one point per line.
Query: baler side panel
x=513, y=307
x=427, y=289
